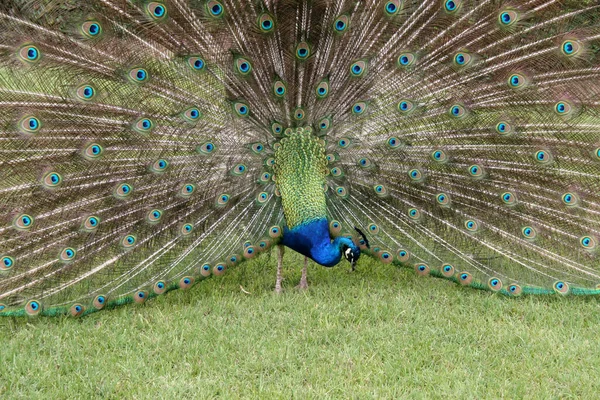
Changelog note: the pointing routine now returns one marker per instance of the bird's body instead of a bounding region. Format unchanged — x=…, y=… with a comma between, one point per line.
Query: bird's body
x=146, y=144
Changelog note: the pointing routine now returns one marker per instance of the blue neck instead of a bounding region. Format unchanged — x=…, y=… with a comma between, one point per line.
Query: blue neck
x=312, y=240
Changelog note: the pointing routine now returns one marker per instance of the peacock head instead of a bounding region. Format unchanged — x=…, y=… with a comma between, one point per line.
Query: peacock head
x=349, y=250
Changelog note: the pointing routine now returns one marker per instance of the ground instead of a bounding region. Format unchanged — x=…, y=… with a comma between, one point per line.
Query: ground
x=380, y=332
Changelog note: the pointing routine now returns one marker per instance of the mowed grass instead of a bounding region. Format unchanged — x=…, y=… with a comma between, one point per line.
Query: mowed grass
x=380, y=332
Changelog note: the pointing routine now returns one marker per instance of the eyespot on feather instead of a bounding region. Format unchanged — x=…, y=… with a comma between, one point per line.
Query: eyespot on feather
x=465, y=278
x=509, y=198
x=68, y=254
x=514, y=290
x=154, y=215
x=571, y=48
x=205, y=270
x=30, y=124
x=457, y=111
x=192, y=114
x=386, y=257
x=249, y=252
x=495, y=284
x=243, y=66
x=123, y=190
x=476, y=171
x=91, y=29
x=452, y=6
x=380, y=190
x=206, y=148
x=322, y=89
x=239, y=170
x=302, y=51
x=406, y=59
x=403, y=255
x=439, y=156
x=159, y=165
x=279, y=89
x=186, y=229
x=359, y=108
x=76, y=310
x=299, y=114
x=33, y=307
x=128, y=241
x=275, y=231
x=276, y=128
x=504, y=128
x=159, y=287
x=157, y=11
x=186, y=282
x=324, y=124
x=358, y=68
x=517, y=81
x=414, y=214
x=6, y=263
x=422, y=269
x=442, y=199
x=219, y=269
x=462, y=59
x=529, y=232
x=138, y=75
x=143, y=125
x=262, y=198
x=30, y=54
x=197, y=63
x=405, y=106
x=52, y=180
x=86, y=92
x=563, y=108
x=543, y=157
x=341, y=192
x=223, y=199
x=266, y=23
x=241, y=109
x=561, y=287
x=214, y=9
x=140, y=296
x=570, y=199
x=471, y=225
x=392, y=7
x=335, y=227
x=23, y=222
x=448, y=270
x=341, y=24
x=508, y=17
x=415, y=175
x=589, y=243
x=99, y=302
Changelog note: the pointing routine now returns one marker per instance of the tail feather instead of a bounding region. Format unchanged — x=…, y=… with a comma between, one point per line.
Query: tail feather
x=138, y=139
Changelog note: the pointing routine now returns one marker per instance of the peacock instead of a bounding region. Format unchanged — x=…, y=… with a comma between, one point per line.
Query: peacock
x=146, y=145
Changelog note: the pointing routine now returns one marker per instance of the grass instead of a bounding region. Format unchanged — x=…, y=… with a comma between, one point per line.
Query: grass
x=380, y=332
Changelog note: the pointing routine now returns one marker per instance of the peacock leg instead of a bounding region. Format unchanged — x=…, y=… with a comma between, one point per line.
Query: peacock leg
x=303, y=282
x=281, y=249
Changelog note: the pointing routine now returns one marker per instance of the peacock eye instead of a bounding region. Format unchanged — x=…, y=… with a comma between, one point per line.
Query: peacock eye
x=91, y=29
x=29, y=54
x=214, y=8
x=138, y=75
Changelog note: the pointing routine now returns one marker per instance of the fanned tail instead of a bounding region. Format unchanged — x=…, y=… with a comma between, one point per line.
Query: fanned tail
x=139, y=139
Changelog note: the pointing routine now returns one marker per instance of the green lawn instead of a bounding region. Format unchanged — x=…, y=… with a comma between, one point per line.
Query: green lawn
x=380, y=332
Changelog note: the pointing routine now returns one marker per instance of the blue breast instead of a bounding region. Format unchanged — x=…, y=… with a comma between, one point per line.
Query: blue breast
x=312, y=240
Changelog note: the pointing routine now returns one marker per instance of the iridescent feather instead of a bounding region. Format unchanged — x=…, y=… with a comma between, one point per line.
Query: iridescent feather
x=143, y=143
